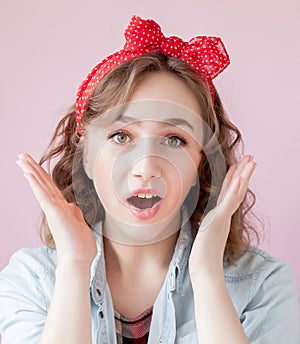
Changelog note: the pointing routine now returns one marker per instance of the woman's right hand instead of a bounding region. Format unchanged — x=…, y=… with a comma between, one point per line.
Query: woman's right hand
x=74, y=240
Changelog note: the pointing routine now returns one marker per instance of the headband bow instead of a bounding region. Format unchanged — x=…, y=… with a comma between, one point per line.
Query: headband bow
x=206, y=55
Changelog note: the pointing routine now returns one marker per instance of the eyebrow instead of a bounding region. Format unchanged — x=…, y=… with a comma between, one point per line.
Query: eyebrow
x=171, y=121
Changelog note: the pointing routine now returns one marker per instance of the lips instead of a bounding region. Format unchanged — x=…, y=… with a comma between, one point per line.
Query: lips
x=144, y=198
x=143, y=203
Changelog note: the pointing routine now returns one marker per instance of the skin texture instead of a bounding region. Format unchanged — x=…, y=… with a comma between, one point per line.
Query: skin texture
x=76, y=245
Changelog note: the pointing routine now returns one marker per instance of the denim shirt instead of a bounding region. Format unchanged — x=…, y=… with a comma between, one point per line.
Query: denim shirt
x=262, y=289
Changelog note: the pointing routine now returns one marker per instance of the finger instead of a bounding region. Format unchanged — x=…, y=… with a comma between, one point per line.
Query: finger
x=234, y=171
x=226, y=182
x=233, y=189
x=239, y=185
x=34, y=171
x=246, y=175
x=242, y=165
x=33, y=166
x=30, y=165
x=52, y=209
x=237, y=170
x=39, y=192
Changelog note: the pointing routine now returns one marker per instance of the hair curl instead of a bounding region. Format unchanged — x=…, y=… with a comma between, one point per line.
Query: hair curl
x=116, y=88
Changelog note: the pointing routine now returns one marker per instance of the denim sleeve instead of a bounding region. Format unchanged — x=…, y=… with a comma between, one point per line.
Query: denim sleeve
x=22, y=304
x=272, y=313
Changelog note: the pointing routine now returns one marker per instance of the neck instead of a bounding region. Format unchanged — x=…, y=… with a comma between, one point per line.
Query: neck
x=130, y=258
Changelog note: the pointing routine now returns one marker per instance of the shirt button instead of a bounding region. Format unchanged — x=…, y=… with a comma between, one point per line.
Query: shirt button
x=101, y=314
x=98, y=291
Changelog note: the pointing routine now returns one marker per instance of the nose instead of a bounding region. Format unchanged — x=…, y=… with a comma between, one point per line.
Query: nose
x=146, y=168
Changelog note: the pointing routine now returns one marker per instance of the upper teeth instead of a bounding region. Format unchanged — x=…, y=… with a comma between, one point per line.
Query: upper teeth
x=145, y=195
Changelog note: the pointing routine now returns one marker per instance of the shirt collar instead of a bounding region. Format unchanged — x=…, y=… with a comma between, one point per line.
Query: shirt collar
x=179, y=262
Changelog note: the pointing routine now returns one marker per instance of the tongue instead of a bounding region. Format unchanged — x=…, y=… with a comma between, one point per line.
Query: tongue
x=142, y=203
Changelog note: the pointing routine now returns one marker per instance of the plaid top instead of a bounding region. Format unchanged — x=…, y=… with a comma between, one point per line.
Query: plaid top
x=133, y=330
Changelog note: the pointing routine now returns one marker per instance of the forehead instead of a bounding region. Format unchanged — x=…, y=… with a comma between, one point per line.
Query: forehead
x=168, y=86
x=165, y=113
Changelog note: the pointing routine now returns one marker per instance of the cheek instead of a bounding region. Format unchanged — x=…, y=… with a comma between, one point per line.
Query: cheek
x=102, y=177
x=186, y=165
x=186, y=178
x=109, y=175
x=183, y=176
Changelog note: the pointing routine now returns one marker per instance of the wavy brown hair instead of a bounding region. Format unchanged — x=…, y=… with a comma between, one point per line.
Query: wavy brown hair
x=223, y=139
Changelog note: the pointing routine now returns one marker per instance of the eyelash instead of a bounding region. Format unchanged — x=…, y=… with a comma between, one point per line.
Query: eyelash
x=182, y=140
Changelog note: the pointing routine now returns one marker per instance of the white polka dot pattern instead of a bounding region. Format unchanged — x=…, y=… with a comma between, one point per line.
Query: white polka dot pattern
x=206, y=55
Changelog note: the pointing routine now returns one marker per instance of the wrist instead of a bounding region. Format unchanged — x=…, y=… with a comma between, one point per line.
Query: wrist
x=65, y=261
x=210, y=268
x=73, y=269
x=207, y=275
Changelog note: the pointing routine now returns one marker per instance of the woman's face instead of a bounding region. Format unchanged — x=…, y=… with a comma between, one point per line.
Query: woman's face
x=144, y=163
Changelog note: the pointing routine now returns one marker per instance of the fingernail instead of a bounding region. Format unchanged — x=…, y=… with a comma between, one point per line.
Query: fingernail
x=251, y=158
x=18, y=163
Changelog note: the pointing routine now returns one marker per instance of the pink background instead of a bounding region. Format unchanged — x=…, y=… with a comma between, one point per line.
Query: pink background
x=47, y=48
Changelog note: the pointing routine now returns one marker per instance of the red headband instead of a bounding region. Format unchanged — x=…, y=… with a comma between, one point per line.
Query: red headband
x=206, y=55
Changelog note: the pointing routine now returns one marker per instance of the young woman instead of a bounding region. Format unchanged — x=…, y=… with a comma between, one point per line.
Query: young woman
x=145, y=224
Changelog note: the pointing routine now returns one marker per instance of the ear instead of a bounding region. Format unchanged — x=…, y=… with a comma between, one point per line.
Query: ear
x=195, y=181
x=86, y=167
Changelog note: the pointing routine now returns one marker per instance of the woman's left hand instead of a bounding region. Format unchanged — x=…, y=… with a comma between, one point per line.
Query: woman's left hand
x=209, y=245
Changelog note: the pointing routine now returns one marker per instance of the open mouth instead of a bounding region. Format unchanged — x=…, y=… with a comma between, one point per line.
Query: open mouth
x=143, y=201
